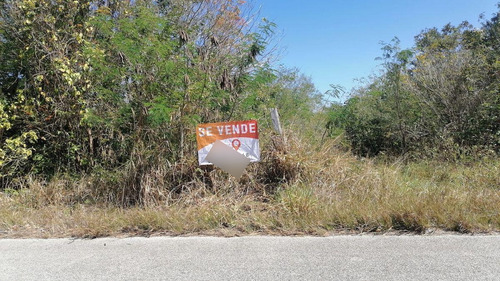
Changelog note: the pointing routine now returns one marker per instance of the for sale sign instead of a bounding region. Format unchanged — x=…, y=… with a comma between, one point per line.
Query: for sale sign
x=242, y=136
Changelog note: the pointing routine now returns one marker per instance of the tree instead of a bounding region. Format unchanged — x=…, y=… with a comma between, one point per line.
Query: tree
x=381, y=116
x=396, y=63
x=442, y=94
x=43, y=82
x=454, y=80
x=103, y=84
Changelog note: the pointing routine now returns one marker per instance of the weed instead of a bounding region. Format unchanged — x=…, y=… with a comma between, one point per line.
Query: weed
x=297, y=189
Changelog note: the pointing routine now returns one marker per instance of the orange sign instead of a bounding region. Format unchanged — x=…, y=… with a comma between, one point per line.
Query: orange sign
x=243, y=136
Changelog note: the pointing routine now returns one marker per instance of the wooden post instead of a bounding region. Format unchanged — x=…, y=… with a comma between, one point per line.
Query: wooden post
x=276, y=120
x=275, y=117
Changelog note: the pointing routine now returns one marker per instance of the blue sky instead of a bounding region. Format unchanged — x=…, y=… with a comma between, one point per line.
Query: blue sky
x=337, y=41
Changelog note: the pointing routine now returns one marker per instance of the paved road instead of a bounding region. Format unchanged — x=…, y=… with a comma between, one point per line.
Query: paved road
x=447, y=257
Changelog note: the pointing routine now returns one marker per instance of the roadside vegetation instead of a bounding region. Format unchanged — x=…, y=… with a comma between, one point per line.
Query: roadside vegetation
x=99, y=102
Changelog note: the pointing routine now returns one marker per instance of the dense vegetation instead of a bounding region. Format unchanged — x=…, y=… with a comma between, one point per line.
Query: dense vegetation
x=99, y=84
x=443, y=95
x=99, y=101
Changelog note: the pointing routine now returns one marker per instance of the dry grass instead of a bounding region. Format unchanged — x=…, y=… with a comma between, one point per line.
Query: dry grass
x=297, y=189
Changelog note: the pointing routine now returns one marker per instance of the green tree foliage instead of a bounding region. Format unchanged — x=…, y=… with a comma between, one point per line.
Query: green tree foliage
x=379, y=117
x=91, y=86
x=137, y=84
x=296, y=97
x=43, y=83
x=292, y=93
x=455, y=79
x=443, y=93
x=88, y=84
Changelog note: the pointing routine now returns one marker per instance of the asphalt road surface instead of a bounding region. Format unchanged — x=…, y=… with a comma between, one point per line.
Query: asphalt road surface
x=443, y=257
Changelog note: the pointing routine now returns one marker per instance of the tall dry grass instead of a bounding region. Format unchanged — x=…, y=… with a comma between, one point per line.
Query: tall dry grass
x=298, y=188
